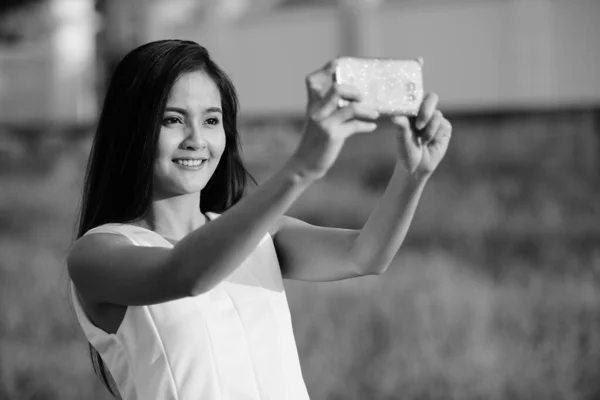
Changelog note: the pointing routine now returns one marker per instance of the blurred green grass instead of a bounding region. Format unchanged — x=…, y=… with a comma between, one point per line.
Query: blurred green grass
x=494, y=295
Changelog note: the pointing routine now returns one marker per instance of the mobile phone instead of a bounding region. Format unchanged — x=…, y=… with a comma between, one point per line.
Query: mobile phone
x=393, y=87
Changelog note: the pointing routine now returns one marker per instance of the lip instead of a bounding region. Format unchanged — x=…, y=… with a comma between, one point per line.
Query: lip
x=191, y=167
x=191, y=158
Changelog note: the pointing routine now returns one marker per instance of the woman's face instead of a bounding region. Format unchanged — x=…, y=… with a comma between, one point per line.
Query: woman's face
x=192, y=137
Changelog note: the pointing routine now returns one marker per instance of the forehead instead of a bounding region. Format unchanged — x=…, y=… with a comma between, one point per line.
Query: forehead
x=195, y=89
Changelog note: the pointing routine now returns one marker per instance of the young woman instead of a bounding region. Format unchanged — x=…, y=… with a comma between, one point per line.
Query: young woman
x=177, y=277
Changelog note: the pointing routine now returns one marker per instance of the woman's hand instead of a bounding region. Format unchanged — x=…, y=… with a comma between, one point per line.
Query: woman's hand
x=327, y=126
x=423, y=141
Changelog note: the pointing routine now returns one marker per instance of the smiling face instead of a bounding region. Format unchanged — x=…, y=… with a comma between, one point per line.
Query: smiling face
x=192, y=136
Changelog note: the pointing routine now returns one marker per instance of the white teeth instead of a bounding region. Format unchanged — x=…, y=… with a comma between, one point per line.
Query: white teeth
x=190, y=163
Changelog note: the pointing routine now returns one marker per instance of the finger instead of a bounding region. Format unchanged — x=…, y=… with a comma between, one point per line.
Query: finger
x=426, y=110
x=407, y=136
x=420, y=61
x=356, y=126
x=442, y=138
x=348, y=92
x=447, y=128
x=331, y=102
x=319, y=82
x=327, y=105
x=432, y=127
x=356, y=111
x=444, y=133
x=401, y=121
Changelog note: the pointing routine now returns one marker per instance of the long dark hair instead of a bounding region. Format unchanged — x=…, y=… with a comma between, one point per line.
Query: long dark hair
x=119, y=175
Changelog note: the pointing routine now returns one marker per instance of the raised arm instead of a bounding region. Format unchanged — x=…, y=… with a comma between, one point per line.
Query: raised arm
x=313, y=253
x=108, y=269
x=420, y=150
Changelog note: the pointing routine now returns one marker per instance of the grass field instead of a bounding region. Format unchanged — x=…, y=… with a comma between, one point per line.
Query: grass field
x=438, y=325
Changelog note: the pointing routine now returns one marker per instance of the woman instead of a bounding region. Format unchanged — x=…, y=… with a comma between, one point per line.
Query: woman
x=177, y=278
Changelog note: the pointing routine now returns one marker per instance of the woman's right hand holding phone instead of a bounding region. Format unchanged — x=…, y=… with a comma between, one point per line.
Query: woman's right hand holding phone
x=327, y=126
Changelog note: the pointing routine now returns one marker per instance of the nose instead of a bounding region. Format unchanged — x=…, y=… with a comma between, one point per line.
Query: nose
x=194, y=139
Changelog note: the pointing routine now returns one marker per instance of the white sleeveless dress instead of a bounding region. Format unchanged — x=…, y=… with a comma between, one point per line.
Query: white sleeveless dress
x=232, y=342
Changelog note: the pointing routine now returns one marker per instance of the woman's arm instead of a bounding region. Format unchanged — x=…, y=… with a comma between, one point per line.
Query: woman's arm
x=381, y=237
x=312, y=253
x=107, y=269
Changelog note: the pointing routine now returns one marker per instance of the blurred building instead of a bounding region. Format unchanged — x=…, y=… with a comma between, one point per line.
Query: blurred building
x=479, y=54
x=50, y=78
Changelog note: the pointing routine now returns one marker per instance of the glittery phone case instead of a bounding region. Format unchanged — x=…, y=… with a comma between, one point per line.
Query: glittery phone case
x=394, y=87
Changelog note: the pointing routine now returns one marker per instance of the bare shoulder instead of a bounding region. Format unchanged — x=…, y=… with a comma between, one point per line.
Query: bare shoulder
x=89, y=252
x=89, y=248
x=110, y=268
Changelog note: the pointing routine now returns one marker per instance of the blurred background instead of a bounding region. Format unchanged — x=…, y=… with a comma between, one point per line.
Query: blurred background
x=494, y=294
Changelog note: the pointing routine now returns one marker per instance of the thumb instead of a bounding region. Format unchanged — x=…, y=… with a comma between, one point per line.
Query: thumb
x=405, y=131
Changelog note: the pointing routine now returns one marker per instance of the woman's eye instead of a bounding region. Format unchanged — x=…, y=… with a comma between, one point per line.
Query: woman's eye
x=171, y=121
x=213, y=121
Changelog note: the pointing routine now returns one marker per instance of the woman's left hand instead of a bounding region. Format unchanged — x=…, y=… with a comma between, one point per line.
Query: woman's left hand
x=423, y=141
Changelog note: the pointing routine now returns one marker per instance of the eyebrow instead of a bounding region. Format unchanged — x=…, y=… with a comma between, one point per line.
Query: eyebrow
x=184, y=112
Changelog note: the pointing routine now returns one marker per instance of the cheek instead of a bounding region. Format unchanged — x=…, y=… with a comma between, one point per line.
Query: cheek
x=164, y=148
x=223, y=144
x=161, y=147
x=160, y=162
x=220, y=144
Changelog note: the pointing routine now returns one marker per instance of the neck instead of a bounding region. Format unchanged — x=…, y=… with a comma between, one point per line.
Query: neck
x=175, y=217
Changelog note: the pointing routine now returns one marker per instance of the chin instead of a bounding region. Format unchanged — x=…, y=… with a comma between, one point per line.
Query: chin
x=179, y=189
x=191, y=189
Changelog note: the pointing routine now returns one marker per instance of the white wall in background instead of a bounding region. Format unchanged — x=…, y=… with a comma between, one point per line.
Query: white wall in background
x=479, y=54
x=26, y=77
x=52, y=80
